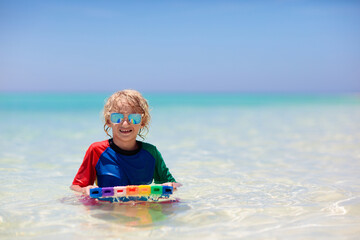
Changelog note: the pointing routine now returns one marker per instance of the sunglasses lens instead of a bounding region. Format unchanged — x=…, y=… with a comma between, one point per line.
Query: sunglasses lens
x=134, y=118
x=116, y=117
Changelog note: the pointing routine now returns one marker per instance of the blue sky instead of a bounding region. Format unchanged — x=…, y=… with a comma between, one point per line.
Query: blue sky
x=175, y=46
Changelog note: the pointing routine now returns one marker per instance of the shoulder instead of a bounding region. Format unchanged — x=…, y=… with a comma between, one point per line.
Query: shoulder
x=99, y=146
x=95, y=151
x=147, y=145
x=150, y=148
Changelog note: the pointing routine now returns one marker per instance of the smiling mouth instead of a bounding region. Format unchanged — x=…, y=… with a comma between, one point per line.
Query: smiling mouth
x=125, y=131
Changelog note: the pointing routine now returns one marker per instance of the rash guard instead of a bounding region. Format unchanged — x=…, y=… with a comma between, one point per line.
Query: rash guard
x=110, y=166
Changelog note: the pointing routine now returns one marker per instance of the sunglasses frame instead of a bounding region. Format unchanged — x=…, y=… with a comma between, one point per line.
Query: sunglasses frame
x=128, y=116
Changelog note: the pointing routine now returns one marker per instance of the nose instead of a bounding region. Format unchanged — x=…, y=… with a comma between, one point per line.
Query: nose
x=125, y=122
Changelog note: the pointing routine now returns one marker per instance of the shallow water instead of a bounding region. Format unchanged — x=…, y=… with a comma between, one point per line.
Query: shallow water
x=266, y=169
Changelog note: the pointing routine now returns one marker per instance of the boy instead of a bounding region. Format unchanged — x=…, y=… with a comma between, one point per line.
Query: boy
x=122, y=160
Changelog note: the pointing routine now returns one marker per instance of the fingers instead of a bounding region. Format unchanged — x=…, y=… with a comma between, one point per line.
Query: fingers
x=86, y=190
x=176, y=185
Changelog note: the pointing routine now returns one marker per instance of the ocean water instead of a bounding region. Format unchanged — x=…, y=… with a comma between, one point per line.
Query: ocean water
x=252, y=167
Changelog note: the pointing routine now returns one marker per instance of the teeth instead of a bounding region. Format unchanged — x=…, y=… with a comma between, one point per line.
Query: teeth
x=125, y=131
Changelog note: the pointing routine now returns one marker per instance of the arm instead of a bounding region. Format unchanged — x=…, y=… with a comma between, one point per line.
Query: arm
x=162, y=174
x=86, y=174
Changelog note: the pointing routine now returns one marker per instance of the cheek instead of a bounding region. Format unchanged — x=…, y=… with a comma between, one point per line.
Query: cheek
x=137, y=128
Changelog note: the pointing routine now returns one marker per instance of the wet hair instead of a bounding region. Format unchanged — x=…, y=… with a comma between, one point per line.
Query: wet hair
x=135, y=100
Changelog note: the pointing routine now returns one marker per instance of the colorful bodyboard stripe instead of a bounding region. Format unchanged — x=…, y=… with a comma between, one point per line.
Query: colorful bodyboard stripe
x=131, y=191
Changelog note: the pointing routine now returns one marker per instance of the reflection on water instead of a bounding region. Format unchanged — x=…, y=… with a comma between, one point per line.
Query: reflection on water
x=125, y=219
x=132, y=214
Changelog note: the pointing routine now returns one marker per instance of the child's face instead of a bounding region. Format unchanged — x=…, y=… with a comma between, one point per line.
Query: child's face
x=125, y=132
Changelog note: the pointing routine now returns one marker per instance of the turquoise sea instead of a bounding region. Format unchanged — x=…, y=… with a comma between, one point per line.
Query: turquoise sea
x=253, y=166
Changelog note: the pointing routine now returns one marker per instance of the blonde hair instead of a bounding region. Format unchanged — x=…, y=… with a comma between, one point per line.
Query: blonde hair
x=134, y=99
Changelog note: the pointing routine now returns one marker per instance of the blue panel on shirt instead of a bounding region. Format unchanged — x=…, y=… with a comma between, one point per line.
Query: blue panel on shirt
x=115, y=169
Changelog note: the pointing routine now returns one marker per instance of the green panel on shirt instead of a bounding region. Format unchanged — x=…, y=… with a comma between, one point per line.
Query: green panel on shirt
x=161, y=173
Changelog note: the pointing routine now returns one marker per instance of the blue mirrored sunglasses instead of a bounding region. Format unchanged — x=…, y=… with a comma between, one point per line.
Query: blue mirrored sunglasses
x=134, y=118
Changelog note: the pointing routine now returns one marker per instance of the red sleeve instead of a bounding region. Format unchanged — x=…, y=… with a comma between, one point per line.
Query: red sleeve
x=87, y=174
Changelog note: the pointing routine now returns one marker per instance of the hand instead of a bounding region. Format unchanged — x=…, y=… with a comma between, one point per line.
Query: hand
x=86, y=190
x=175, y=185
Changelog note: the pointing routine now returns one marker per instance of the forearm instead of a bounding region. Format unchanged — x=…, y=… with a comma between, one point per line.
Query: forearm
x=77, y=188
x=83, y=190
